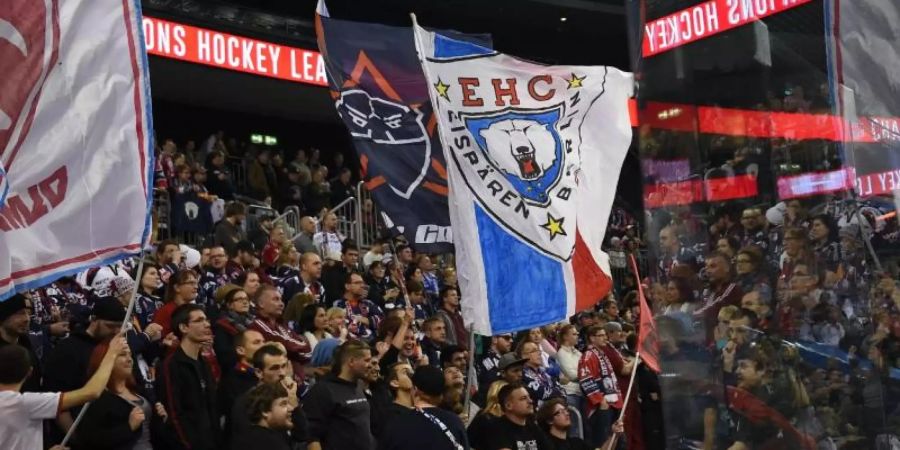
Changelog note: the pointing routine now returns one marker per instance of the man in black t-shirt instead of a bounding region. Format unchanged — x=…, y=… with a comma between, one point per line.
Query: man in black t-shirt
x=553, y=417
x=515, y=430
x=425, y=425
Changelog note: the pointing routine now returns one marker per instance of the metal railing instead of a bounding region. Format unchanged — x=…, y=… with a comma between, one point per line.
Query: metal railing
x=162, y=214
x=346, y=212
x=369, y=222
x=291, y=219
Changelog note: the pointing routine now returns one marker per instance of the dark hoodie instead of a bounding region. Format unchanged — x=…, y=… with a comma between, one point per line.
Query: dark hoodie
x=338, y=415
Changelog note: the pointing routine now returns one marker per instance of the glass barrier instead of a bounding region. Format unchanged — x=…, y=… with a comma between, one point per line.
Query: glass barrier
x=768, y=133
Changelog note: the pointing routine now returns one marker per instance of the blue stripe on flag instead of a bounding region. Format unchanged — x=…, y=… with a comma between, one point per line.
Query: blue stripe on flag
x=525, y=288
x=447, y=47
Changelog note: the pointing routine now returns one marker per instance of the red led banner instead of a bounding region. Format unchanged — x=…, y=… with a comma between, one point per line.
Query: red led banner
x=228, y=51
x=692, y=191
x=707, y=19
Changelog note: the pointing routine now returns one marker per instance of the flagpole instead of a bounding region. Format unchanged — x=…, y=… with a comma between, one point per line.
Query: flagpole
x=126, y=325
x=469, y=375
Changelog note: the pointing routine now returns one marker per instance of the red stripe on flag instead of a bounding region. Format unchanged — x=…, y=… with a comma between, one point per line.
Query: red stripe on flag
x=591, y=284
x=648, y=345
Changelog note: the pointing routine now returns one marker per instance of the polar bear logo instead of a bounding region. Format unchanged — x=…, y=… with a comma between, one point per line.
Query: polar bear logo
x=521, y=147
x=191, y=210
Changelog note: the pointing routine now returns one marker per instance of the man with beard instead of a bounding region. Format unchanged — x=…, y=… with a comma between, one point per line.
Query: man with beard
x=329, y=240
x=721, y=291
x=228, y=231
x=753, y=222
x=66, y=367
x=14, y=321
x=186, y=386
x=270, y=410
x=212, y=278
x=487, y=367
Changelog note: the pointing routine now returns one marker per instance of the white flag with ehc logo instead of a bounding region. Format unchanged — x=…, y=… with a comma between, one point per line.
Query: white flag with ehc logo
x=533, y=155
x=74, y=138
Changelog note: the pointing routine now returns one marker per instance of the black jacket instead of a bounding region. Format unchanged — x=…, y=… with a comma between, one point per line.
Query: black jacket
x=188, y=391
x=261, y=438
x=105, y=425
x=338, y=415
x=235, y=383
x=66, y=366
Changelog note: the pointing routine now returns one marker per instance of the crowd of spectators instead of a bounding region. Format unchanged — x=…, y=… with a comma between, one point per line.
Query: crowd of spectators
x=222, y=170
x=775, y=330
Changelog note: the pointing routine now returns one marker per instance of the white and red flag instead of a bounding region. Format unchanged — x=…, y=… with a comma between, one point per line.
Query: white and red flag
x=75, y=140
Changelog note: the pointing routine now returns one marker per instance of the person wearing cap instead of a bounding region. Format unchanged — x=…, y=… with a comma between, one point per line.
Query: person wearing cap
x=516, y=429
x=15, y=319
x=426, y=425
x=487, y=368
x=336, y=407
x=510, y=367
x=66, y=367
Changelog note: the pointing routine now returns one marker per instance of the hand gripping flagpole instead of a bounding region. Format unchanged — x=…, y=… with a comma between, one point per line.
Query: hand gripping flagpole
x=611, y=442
x=126, y=325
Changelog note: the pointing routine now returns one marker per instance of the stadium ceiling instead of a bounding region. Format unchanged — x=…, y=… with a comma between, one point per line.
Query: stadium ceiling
x=548, y=31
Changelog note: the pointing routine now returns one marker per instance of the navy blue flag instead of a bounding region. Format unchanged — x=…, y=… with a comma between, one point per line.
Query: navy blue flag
x=191, y=213
x=381, y=95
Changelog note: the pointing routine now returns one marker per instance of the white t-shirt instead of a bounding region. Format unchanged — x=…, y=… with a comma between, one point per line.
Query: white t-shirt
x=21, y=418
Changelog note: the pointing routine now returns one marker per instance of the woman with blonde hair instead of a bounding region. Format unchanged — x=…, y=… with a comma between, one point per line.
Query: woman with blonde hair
x=480, y=428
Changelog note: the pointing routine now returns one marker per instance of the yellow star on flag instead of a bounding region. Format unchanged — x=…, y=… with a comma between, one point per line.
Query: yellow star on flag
x=442, y=89
x=576, y=81
x=554, y=226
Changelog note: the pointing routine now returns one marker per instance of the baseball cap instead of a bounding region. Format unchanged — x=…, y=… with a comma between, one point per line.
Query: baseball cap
x=508, y=360
x=11, y=306
x=108, y=308
x=612, y=326
x=429, y=380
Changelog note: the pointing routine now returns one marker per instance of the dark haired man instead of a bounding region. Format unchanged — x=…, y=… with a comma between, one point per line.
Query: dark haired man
x=269, y=410
x=363, y=314
x=15, y=318
x=515, y=429
x=186, y=387
x=336, y=407
x=452, y=317
x=228, y=231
